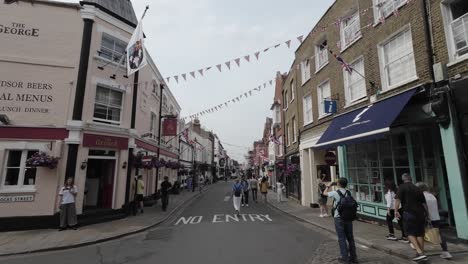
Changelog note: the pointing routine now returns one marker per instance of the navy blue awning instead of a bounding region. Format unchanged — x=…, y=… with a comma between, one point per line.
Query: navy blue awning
x=364, y=124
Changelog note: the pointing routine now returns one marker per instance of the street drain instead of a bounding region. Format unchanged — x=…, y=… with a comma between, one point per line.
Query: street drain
x=159, y=234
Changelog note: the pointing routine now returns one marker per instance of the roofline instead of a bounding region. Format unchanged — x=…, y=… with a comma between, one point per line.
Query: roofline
x=109, y=12
x=48, y=2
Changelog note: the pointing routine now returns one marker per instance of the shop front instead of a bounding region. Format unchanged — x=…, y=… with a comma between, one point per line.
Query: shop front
x=292, y=175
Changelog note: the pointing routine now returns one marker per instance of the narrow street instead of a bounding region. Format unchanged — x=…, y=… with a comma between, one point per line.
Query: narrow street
x=208, y=232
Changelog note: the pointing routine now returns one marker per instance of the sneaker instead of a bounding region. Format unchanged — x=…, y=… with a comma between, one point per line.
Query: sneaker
x=321, y=215
x=243, y=205
x=61, y=229
x=247, y=205
x=325, y=215
x=391, y=237
x=403, y=239
x=446, y=255
x=419, y=257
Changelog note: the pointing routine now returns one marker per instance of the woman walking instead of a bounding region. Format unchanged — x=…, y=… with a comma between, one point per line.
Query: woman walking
x=67, y=205
x=264, y=188
x=390, y=198
x=323, y=199
x=237, y=196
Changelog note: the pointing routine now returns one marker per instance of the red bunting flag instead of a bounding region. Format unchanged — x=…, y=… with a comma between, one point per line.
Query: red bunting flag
x=382, y=19
x=201, y=72
x=257, y=54
x=228, y=64
x=193, y=74
x=300, y=38
x=396, y=12
x=288, y=43
x=184, y=75
x=219, y=67
x=237, y=62
x=247, y=58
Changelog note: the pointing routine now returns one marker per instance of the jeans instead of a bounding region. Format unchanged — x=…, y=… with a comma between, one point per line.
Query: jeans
x=390, y=218
x=245, y=198
x=165, y=201
x=344, y=230
x=254, y=194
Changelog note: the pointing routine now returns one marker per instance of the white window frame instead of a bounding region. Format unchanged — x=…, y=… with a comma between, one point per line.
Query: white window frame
x=293, y=90
x=378, y=10
x=115, y=56
x=288, y=131
x=383, y=63
x=20, y=186
x=305, y=71
x=277, y=114
x=286, y=100
x=308, y=109
x=448, y=21
x=294, y=129
x=106, y=121
x=318, y=63
x=350, y=24
x=346, y=75
x=320, y=98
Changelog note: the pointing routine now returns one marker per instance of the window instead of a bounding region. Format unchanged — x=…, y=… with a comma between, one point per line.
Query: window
x=307, y=105
x=384, y=8
x=294, y=129
x=305, y=71
x=286, y=100
x=293, y=90
x=397, y=60
x=112, y=48
x=276, y=114
x=153, y=124
x=456, y=17
x=350, y=30
x=323, y=92
x=354, y=83
x=16, y=174
x=108, y=106
x=321, y=55
x=288, y=134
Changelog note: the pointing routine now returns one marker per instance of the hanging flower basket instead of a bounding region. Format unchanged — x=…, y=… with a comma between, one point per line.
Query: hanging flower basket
x=41, y=159
x=291, y=170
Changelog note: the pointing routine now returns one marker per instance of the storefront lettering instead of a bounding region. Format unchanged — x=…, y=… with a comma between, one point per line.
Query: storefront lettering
x=19, y=91
x=19, y=30
x=16, y=198
x=106, y=143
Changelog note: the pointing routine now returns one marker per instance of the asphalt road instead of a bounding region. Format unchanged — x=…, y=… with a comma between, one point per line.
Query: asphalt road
x=208, y=232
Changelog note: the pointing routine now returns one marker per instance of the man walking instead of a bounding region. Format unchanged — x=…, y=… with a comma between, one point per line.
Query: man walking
x=165, y=187
x=254, y=187
x=414, y=207
x=140, y=189
x=237, y=196
x=245, y=190
x=344, y=212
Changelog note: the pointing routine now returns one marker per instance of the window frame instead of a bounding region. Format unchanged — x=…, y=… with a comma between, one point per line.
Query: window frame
x=343, y=27
x=348, y=100
x=319, y=66
x=285, y=99
x=382, y=62
x=20, y=187
x=305, y=71
x=293, y=90
x=305, y=109
x=106, y=121
x=377, y=12
x=288, y=134
x=294, y=121
x=447, y=18
x=113, y=51
x=321, y=104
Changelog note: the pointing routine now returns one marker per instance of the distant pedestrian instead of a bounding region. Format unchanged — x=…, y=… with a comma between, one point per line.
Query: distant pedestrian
x=433, y=210
x=165, y=188
x=140, y=190
x=237, y=196
x=322, y=198
x=264, y=188
x=254, y=187
x=344, y=212
x=201, y=182
x=390, y=194
x=414, y=213
x=279, y=190
x=245, y=191
x=67, y=205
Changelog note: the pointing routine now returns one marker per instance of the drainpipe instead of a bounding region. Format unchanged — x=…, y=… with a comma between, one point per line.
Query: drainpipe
x=132, y=126
x=428, y=36
x=161, y=89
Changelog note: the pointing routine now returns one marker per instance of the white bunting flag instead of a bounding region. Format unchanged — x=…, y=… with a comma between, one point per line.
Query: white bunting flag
x=237, y=62
x=136, y=53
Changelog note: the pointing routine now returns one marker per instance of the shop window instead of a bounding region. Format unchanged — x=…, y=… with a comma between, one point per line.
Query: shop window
x=108, y=106
x=350, y=30
x=355, y=84
x=397, y=62
x=17, y=174
x=321, y=55
x=112, y=48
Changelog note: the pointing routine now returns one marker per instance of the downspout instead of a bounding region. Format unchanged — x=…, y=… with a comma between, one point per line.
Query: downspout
x=427, y=20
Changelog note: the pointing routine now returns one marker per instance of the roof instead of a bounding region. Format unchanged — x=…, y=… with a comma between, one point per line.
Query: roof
x=46, y=2
x=121, y=9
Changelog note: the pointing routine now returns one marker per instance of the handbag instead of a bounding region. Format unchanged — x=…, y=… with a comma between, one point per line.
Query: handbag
x=432, y=235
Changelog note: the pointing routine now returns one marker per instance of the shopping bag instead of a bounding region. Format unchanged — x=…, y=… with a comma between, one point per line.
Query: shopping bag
x=432, y=235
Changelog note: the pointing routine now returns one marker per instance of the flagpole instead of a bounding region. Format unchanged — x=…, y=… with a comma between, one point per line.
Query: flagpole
x=144, y=12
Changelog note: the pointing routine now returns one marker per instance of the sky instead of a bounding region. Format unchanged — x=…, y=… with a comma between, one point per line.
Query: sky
x=186, y=35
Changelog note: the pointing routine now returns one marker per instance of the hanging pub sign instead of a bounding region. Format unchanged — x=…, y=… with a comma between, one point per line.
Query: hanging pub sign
x=170, y=127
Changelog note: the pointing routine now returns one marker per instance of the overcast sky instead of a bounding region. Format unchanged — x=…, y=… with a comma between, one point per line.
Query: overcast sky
x=186, y=35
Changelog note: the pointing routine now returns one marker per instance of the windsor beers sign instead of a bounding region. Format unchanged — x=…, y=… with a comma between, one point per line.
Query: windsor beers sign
x=25, y=96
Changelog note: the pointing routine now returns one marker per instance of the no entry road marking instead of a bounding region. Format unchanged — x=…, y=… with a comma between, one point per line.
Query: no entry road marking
x=225, y=218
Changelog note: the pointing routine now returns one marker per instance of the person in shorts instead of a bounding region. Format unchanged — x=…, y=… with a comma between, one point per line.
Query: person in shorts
x=322, y=198
x=414, y=207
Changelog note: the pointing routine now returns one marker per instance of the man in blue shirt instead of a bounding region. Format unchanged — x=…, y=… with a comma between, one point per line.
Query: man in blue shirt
x=344, y=229
x=245, y=188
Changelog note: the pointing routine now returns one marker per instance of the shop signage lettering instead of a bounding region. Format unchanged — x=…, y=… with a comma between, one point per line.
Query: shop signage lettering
x=25, y=92
x=16, y=198
x=90, y=140
x=19, y=30
x=107, y=142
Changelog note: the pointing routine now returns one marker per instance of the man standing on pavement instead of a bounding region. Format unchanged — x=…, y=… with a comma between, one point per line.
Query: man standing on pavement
x=414, y=214
x=140, y=190
x=343, y=226
x=245, y=189
x=254, y=187
x=165, y=187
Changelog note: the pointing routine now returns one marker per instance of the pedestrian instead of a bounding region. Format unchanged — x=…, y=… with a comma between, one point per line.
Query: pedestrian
x=343, y=214
x=245, y=189
x=264, y=188
x=414, y=213
x=390, y=194
x=434, y=217
x=237, y=196
x=67, y=205
x=254, y=187
x=189, y=182
x=165, y=188
x=201, y=182
x=279, y=190
x=140, y=190
x=322, y=198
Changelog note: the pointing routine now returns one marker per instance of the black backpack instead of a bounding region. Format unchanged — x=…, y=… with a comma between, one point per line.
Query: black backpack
x=237, y=190
x=347, y=207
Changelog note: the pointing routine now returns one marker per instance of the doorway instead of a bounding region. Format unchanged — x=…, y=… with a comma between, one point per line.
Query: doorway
x=99, y=186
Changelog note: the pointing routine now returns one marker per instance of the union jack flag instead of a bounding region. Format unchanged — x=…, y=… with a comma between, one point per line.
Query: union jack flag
x=344, y=64
x=185, y=134
x=275, y=140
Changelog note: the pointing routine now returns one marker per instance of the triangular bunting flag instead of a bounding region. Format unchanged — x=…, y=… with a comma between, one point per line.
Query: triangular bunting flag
x=288, y=43
x=219, y=67
x=208, y=68
x=257, y=54
x=184, y=75
x=237, y=98
x=168, y=79
x=250, y=92
x=228, y=64
x=265, y=50
x=247, y=58
x=201, y=72
x=245, y=94
x=300, y=38
x=193, y=74
x=176, y=78
x=271, y=82
x=241, y=95
x=237, y=62
x=225, y=104
x=277, y=45
x=264, y=85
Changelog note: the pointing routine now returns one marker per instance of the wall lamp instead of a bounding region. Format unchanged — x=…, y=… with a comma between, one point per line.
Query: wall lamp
x=124, y=165
x=84, y=164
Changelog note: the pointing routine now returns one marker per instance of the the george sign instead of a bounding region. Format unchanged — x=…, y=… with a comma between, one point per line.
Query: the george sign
x=330, y=106
x=330, y=158
x=19, y=29
x=16, y=198
x=100, y=141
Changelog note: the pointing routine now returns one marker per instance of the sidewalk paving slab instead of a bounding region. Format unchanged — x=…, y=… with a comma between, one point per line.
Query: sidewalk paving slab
x=369, y=235
x=29, y=241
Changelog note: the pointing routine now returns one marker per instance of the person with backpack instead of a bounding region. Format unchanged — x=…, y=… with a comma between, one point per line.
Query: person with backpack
x=323, y=199
x=254, y=187
x=237, y=196
x=245, y=189
x=344, y=212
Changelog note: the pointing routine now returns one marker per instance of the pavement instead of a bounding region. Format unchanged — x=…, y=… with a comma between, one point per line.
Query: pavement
x=208, y=232
x=367, y=234
x=20, y=242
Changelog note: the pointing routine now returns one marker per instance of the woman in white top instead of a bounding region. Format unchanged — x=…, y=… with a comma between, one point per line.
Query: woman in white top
x=433, y=210
x=67, y=205
x=390, y=199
